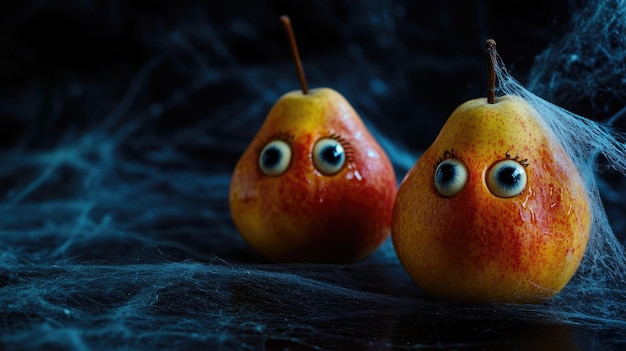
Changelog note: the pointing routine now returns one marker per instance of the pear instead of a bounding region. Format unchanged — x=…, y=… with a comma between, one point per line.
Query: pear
x=494, y=210
x=314, y=185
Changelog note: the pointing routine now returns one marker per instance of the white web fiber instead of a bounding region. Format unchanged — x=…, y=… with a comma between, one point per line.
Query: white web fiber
x=587, y=63
x=115, y=231
x=598, y=288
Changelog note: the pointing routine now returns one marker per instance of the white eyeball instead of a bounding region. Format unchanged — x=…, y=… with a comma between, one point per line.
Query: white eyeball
x=506, y=178
x=329, y=156
x=275, y=158
x=451, y=176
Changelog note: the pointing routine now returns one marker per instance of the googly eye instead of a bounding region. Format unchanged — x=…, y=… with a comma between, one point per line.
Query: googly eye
x=329, y=156
x=451, y=176
x=275, y=158
x=506, y=178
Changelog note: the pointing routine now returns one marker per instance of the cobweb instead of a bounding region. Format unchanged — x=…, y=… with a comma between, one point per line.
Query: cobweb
x=585, y=67
x=598, y=288
x=117, y=235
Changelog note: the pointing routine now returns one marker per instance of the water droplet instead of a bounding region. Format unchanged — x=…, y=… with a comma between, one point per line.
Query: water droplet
x=372, y=154
x=529, y=196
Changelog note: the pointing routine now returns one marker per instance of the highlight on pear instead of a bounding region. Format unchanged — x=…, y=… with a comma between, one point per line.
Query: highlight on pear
x=494, y=210
x=313, y=185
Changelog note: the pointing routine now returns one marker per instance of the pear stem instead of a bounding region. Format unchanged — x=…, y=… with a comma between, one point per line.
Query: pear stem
x=491, y=70
x=294, y=51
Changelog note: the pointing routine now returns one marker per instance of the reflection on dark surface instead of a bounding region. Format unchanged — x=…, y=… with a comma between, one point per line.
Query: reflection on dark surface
x=488, y=330
x=121, y=123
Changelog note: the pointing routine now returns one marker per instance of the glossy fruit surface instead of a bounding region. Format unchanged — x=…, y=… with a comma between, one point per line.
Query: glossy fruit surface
x=314, y=185
x=494, y=210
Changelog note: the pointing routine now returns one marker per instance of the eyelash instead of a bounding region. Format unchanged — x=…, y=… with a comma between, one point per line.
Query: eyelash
x=289, y=137
x=446, y=155
x=347, y=148
x=523, y=162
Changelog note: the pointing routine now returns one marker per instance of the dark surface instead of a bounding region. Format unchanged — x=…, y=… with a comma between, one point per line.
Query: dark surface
x=121, y=123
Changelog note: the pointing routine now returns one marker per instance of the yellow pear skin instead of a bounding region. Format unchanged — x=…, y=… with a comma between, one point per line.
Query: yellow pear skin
x=308, y=213
x=512, y=231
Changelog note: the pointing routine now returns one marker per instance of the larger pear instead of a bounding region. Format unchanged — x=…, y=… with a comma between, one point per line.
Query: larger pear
x=493, y=210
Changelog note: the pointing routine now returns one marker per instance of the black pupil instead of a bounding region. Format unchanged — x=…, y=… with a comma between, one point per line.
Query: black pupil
x=331, y=154
x=508, y=176
x=446, y=173
x=271, y=157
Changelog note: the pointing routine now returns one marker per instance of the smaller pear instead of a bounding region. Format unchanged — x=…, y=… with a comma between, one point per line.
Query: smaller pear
x=494, y=209
x=314, y=185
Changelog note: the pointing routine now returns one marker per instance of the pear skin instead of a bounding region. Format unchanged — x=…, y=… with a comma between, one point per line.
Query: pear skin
x=303, y=214
x=472, y=246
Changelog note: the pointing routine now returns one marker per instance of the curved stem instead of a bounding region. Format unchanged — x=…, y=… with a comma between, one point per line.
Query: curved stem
x=294, y=51
x=491, y=70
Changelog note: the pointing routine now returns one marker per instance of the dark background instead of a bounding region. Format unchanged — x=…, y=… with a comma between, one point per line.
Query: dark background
x=404, y=65
x=122, y=120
